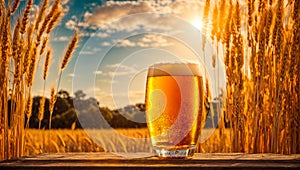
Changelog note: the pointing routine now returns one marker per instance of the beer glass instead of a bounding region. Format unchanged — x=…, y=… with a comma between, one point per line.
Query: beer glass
x=174, y=108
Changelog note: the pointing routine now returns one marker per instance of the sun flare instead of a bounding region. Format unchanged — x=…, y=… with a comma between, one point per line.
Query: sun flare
x=197, y=23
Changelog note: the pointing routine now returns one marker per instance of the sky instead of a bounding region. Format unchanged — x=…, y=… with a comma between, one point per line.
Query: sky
x=119, y=40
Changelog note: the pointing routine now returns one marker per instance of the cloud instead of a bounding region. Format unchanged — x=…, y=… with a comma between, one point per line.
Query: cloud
x=96, y=92
x=126, y=43
x=71, y=75
x=90, y=51
x=71, y=24
x=136, y=94
x=106, y=44
x=116, y=16
x=62, y=38
x=87, y=52
x=115, y=10
x=119, y=70
x=108, y=81
x=101, y=35
x=104, y=16
x=114, y=65
x=148, y=40
x=98, y=72
x=188, y=10
x=154, y=40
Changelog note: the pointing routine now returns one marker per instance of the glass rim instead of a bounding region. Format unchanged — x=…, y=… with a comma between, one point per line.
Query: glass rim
x=175, y=69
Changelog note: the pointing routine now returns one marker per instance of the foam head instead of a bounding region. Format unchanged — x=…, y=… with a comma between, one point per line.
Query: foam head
x=175, y=69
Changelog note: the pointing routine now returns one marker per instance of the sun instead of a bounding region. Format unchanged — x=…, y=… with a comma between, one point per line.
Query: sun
x=197, y=23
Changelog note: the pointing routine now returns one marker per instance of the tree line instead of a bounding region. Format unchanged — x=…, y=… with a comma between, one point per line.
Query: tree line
x=65, y=115
x=81, y=112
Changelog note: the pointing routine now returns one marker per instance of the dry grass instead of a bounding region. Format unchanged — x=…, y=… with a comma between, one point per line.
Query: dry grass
x=105, y=141
x=262, y=67
x=20, y=51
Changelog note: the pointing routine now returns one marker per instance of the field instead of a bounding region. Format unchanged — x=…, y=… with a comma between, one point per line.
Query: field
x=258, y=42
x=121, y=140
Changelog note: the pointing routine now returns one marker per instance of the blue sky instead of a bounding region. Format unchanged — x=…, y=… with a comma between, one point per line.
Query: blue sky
x=119, y=40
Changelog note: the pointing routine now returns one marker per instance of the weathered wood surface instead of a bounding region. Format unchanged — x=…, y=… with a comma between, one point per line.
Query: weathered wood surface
x=129, y=161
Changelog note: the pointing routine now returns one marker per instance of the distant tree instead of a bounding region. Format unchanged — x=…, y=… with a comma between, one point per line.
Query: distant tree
x=33, y=123
x=64, y=119
x=79, y=95
x=69, y=110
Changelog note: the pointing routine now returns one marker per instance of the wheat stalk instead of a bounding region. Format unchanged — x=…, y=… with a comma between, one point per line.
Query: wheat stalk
x=18, y=59
x=26, y=16
x=32, y=66
x=47, y=63
x=28, y=109
x=53, y=21
x=41, y=14
x=28, y=49
x=41, y=111
x=15, y=6
x=51, y=105
x=46, y=21
x=205, y=22
x=69, y=52
x=44, y=44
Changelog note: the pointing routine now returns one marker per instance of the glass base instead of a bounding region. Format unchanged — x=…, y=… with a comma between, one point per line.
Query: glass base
x=181, y=153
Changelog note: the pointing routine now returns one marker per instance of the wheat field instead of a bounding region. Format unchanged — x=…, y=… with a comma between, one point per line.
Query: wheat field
x=258, y=39
x=125, y=140
x=22, y=46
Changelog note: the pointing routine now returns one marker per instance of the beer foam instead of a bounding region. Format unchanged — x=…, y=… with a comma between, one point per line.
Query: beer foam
x=175, y=69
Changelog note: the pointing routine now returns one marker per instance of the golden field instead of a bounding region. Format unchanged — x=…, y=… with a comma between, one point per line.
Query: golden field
x=258, y=41
x=124, y=140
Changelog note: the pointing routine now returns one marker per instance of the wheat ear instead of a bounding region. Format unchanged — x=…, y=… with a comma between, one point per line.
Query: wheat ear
x=41, y=111
x=26, y=16
x=28, y=110
x=44, y=44
x=47, y=62
x=53, y=21
x=69, y=52
x=15, y=6
x=51, y=105
x=41, y=14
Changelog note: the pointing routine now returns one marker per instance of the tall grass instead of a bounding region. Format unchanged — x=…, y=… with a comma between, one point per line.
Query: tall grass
x=21, y=47
x=262, y=58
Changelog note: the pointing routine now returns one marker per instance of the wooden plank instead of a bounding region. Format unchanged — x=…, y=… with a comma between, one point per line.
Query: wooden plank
x=103, y=160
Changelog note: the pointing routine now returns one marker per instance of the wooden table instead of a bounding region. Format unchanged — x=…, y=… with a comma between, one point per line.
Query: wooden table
x=103, y=160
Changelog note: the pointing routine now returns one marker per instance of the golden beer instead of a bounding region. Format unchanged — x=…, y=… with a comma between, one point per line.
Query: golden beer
x=174, y=108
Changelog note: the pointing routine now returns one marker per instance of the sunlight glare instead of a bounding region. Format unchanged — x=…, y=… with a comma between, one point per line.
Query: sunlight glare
x=197, y=23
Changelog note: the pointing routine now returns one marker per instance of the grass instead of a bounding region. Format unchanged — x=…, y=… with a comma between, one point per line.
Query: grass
x=22, y=46
x=126, y=140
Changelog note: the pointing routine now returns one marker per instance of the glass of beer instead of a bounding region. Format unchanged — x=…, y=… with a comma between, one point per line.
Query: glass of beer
x=174, y=108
